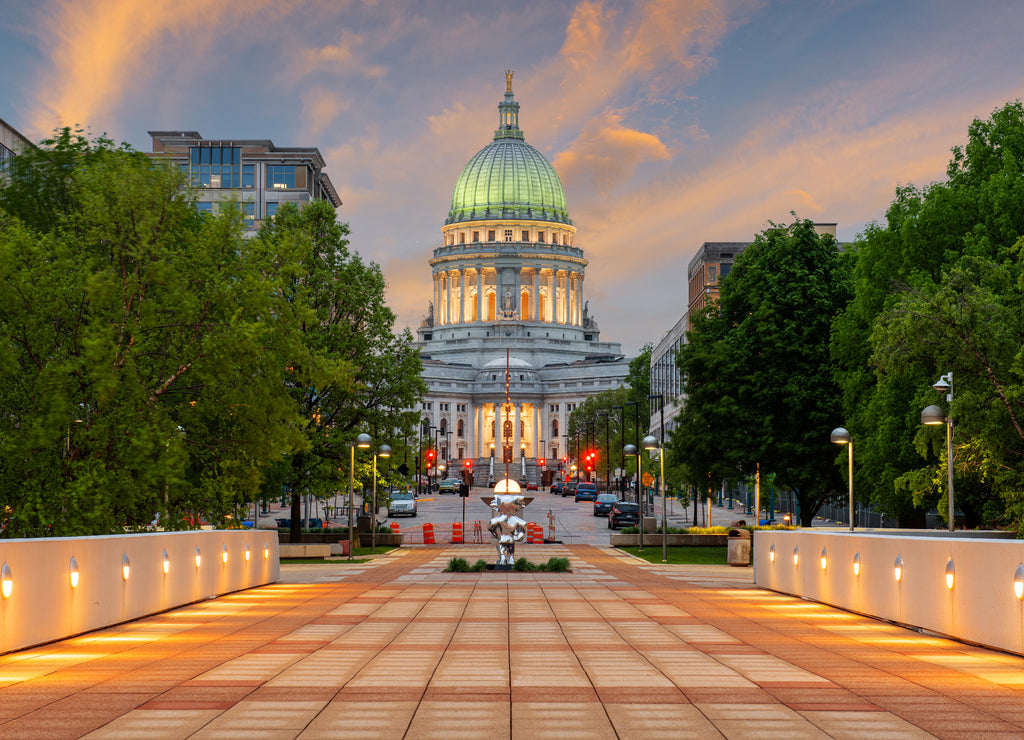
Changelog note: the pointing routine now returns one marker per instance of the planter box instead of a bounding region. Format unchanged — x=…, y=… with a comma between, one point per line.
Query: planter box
x=674, y=540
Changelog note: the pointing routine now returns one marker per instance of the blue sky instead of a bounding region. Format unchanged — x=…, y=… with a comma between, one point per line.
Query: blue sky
x=670, y=123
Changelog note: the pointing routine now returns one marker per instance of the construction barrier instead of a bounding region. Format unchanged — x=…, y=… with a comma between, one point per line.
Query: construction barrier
x=456, y=533
x=396, y=528
x=534, y=534
x=478, y=536
x=428, y=534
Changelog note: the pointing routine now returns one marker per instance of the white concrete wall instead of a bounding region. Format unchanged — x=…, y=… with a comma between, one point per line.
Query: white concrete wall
x=43, y=606
x=981, y=607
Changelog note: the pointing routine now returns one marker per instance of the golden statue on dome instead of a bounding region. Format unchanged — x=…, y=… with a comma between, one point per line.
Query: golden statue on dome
x=508, y=80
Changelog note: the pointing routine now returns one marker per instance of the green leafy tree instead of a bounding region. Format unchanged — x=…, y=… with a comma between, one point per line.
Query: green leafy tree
x=352, y=373
x=139, y=375
x=757, y=372
x=937, y=288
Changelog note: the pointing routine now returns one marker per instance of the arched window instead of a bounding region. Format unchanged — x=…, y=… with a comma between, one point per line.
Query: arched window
x=491, y=307
x=443, y=427
x=524, y=306
x=458, y=429
x=554, y=428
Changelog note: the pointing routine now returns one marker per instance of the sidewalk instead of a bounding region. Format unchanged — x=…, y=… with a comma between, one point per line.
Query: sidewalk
x=616, y=649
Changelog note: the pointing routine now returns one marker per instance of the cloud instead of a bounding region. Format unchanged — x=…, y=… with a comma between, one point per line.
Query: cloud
x=96, y=46
x=606, y=154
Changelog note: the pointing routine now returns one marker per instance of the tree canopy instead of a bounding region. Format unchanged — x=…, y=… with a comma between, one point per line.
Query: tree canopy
x=757, y=373
x=156, y=363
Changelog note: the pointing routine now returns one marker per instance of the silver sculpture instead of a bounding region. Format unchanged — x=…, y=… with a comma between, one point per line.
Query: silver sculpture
x=507, y=526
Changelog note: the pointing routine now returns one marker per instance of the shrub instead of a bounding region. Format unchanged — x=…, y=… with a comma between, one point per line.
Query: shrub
x=557, y=565
x=479, y=565
x=457, y=565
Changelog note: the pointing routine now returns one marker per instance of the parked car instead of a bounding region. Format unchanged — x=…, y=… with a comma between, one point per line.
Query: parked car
x=403, y=503
x=569, y=489
x=586, y=492
x=623, y=512
x=603, y=503
x=531, y=486
x=449, y=485
x=556, y=486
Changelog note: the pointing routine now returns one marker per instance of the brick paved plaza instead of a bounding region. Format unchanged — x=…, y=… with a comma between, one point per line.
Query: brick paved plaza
x=617, y=648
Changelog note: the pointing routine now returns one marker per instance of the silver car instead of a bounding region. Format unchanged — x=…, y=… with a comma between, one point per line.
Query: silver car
x=403, y=503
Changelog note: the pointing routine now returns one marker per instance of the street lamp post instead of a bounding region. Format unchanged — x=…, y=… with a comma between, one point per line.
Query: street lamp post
x=842, y=437
x=622, y=428
x=363, y=441
x=634, y=450
x=607, y=450
x=651, y=443
x=636, y=429
x=934, y=415
x=382, y=451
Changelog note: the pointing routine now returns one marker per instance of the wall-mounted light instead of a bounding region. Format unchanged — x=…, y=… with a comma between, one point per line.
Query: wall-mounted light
x=266, y=551
x=73, y=572
x=166, y=563
x=199, y=557
x=126, y=566
x=224, y=554
x=950, y=574
x=824, y=558
x=796, y=556
x=6, y=581
x=856, y=564
x=897, y=568
x=771, y=554
x=247, y=552
x=1018, y=581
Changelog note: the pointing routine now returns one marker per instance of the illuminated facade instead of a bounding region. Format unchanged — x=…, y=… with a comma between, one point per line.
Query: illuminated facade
x=509, y=275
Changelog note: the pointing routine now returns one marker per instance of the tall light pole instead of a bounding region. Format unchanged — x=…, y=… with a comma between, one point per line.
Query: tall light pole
x=651, y=443
x=382, y=451
x=622, y=427
x=842, y=437
x=363, y=441
x=634, y=450
x=607, y=449
x=935, y=415
x=636, y=429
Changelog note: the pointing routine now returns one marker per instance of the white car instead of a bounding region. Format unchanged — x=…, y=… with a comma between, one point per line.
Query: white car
x=403, y=503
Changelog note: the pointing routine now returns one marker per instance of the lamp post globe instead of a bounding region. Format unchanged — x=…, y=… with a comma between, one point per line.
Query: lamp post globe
x=933, y=415
x=650, y=442
x=840, y=436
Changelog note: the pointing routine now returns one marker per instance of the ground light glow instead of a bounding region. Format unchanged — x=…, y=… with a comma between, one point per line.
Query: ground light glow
x=166, y=563
x=1018, y=582
x=950, y=574
x=126, y=566
x=6, y=581
x=897, y=568
x=824, y=558
x=73, y=572
x=856, y=564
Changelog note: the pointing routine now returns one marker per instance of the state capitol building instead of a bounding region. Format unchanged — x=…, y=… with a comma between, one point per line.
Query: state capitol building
x=508, y=281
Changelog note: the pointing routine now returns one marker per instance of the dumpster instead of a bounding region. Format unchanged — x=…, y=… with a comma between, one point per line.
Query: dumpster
x=739, y=547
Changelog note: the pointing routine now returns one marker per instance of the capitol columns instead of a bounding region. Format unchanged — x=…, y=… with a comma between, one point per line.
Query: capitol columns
x=536, y=293
x=479, y=293
x=462, y=296
x=437, y=300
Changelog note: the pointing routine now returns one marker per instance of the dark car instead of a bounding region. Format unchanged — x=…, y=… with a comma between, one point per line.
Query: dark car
x=603, y=504
x=586, y=492
x=623, y=512
x=556, y=486
x=569, y=489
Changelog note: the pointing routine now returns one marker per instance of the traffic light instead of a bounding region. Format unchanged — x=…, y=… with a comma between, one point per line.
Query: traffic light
x=541, y=462
x=468, y=464
x=430, y=457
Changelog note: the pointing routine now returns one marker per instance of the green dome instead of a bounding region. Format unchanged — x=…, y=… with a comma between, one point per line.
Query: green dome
x=508, y=179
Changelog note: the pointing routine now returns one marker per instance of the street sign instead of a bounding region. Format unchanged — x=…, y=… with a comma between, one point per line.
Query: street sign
x=648, y=479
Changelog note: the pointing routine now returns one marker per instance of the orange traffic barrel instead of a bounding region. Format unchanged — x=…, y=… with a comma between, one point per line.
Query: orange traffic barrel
x=456, y=533
x=396, y=528
x=428, y=534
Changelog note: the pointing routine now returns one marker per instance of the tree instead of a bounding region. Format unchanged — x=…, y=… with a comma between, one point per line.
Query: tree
x=139, y=375
x=937, y=288
x=757, y=373
x=351, y=373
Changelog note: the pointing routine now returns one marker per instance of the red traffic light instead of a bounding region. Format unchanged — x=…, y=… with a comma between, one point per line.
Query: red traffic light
x=469, y=463
x=541, y=461
x=430, y=454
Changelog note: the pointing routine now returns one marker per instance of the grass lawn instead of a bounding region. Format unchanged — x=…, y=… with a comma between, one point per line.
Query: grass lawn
x=688, y=554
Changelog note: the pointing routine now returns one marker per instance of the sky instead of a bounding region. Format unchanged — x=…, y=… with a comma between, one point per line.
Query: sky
x=670, y=123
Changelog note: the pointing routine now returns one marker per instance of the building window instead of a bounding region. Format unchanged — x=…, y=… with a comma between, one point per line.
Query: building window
x=462, y=237
x=427, y=405
x=553, y=408
x=459, y=429
x=508, y=235
x=205, y=207
x=6, y=157
x=526, y=236
x=249, y=213
x=443, y=426
x=270, y=210
x=286, y=176
x=490, y=235
x=554, y=427
x=476, y=236
x=215, y=166
x=540, y=237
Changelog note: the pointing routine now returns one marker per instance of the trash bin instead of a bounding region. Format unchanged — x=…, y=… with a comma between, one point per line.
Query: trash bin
x=739, y=547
